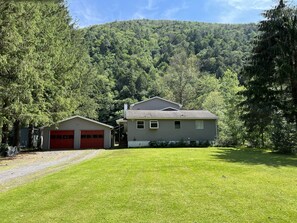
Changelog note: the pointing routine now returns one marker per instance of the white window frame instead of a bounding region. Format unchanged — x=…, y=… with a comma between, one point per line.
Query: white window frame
x=154, y=121
x=199, y=124
x=138, y=122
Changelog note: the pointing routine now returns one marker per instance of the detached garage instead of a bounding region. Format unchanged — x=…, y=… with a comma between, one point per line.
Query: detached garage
x=76, y=132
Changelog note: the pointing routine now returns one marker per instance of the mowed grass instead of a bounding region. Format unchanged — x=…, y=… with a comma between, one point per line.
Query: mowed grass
x=162, y=185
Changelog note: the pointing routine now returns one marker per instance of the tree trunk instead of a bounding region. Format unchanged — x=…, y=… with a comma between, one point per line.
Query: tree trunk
x=16, y=135
x=30, y=136
x=262, y=138
x=5, y=134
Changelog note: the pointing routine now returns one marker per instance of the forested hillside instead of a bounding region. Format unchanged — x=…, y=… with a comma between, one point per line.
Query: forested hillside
x=136, y=59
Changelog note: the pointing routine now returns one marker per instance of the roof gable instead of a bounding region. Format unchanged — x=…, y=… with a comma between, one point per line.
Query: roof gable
x=155, y=103
x=83, y=118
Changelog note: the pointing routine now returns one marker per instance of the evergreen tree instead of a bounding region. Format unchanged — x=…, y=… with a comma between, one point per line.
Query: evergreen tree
x=44, y=68
x=16, y=63
x=270, y=75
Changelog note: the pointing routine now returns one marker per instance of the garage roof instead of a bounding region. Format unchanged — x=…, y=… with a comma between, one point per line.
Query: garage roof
x=87, y=119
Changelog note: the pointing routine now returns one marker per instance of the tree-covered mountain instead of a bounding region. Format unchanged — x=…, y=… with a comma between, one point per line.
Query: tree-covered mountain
x=136, y=56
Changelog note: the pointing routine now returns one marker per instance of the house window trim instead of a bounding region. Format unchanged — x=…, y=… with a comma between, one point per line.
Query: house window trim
x=143, y=124
x=156, y=122
x=175, y=124
x=202, y=125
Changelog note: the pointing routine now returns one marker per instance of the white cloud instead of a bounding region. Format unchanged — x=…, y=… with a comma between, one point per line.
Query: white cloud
x=169, y=13
x=88, y=15
x=151, y=5
x=145, y=11
x=138, y=15
x=152, y=10
x=233, y=10
x=249, y=4
x=229, y=17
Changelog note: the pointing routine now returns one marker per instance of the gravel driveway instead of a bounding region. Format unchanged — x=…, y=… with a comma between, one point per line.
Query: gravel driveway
x=28, y=166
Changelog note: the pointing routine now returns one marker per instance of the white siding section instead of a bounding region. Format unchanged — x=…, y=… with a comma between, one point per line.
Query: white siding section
x=137, y=144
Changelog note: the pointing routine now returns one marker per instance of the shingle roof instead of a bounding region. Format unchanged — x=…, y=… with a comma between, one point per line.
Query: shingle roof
x=81, y=117
x=181, y=114
x=156, y=97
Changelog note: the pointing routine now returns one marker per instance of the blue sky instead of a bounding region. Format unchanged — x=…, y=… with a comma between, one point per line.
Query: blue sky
x=90, y=12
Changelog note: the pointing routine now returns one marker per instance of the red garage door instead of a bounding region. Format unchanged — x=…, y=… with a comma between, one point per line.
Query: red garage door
x=92, y=139
x=62, y=139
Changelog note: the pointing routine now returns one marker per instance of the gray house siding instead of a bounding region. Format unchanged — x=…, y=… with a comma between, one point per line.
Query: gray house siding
x=77, y=125
x=168, y=132
x=154, y=104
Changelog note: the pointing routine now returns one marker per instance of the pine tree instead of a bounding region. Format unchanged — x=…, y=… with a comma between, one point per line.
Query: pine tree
x=44, y=68
x=16, y=56
x=271, y=75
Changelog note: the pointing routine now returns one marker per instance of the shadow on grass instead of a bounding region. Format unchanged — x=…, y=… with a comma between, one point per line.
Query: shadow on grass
x=255, y=157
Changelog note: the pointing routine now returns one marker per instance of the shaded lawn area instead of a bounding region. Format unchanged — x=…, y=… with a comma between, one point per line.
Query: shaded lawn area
x=162, y=185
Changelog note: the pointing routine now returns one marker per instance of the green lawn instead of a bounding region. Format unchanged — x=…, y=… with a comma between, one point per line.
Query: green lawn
x=162, y=185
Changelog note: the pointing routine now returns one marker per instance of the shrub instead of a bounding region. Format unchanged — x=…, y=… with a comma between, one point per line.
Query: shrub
x=153, y=144
x=204, y=144
x=6, y=150
x=283, y=136
x=181, y=143
x=3, y=149
x=193, y=144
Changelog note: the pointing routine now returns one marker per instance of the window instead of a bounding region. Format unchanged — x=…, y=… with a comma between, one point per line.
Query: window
x=154, y=124
x=140, y=124
x=177, y=124
x=199, y=124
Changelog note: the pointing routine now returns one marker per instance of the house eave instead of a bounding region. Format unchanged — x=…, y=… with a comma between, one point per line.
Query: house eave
x=171, y=118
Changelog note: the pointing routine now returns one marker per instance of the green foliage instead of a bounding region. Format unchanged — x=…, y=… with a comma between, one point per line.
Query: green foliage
x=270, y=76
x=222, y=98
x=232, y=129
x=3, y=149
x=44, y=68
x=283, y=136
x=144, y=58
x=180, y=79
x=178, y=144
